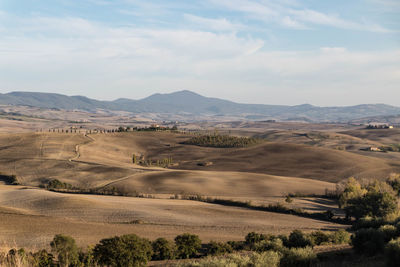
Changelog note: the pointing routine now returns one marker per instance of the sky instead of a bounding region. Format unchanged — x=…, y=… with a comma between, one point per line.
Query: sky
x=290, y=52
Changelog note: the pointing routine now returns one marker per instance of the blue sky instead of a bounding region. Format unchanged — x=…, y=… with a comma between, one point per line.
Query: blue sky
x=320, y=52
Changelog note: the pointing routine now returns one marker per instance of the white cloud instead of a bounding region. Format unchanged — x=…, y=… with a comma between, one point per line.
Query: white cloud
x=291, y=23
x=290, y=14
x=320, y=18
x=221, y=24
x=74, y=54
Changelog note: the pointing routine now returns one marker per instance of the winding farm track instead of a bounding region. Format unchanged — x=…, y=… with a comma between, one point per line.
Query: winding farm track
x=77, y=156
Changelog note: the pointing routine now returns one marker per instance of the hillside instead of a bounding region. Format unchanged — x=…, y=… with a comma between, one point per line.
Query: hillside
x=188, y=104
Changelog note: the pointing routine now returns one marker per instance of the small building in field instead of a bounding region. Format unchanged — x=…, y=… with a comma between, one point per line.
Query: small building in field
x=379, y=126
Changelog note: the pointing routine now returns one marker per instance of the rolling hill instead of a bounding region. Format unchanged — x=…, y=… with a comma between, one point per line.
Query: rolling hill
x=187, y=103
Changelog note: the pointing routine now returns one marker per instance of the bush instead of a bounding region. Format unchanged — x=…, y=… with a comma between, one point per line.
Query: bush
x=66, y=249
x=9, y=179
x=297, y=239
x=127, y=250
x=318, y=238
x=368, y=241
x=377, y=199
x=218, y=248
x=43, y=259
x=266, y=259
x=298, y=257
x=368, y=222
x=163, y=249
x=392, y=253
x=237, y=245
x=340, y=237
x=274, y=244
x=187, y=245
x=253, y=238
x=389, y=232
x=87, y=258
x=57, y=184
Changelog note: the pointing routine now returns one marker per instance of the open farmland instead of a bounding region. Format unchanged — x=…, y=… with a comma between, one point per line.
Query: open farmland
x=263, y=173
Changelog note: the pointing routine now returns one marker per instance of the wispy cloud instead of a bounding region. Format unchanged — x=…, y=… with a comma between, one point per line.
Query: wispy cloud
x=220, y=24
x=291, y=14
x=77, y=53
x=319, y=18
x=218, y=47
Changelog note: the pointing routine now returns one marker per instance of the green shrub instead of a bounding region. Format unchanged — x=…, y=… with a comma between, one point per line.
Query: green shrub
x=9, y=179
x=377, y=199
x=274, y=244
x=368, y=241
x=253, y=238
x=87, y=258
x=43, y=259
x=237, y=245
x=57, y=184
x=298, y=257
x=318, y=238
x=389, y=232
x=266, y=259
x=187, y=245
x=392, y=253
x=127, y=250
x=340, y=237
x=163, y=249
x=368, y=222
x=297, y=239
x=66, y=250
x=218, y=248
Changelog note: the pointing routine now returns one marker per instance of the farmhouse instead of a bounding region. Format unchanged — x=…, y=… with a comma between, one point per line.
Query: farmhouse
x=380, y=126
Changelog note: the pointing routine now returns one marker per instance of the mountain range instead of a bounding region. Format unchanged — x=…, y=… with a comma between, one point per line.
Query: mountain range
x=188, y=104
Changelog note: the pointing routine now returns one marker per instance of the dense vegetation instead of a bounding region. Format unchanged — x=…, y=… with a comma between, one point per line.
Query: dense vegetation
x=221, y=141
x=9, y=179
x=132, y=250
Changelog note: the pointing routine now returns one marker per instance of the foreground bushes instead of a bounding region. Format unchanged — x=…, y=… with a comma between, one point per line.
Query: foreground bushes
x=298, y=257
x=163, y=249
x=266, y=259
x=187, y=245
x=392, y=253
x=295, y=257
x=126, y=250
x=66, y=249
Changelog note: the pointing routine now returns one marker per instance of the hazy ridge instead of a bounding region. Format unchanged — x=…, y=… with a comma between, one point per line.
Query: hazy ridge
x=187, y=103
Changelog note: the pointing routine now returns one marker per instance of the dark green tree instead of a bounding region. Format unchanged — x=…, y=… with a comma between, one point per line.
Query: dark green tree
x=43, y=259
x=163, y=249
x=187, y=245
x=297, y=239
x=123, y=251
x=66, y=250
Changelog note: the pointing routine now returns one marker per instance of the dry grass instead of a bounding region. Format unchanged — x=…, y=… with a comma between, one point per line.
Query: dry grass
x=34, y=216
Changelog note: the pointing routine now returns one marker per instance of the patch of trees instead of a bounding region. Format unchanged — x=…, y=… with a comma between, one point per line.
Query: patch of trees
x=140, y=160
x=221, y=141
x=9, y=179
x=132, y=250
x=57, y=184
x=374, y=207
x=153, y=128
x=376, y=199
x=390, y=148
